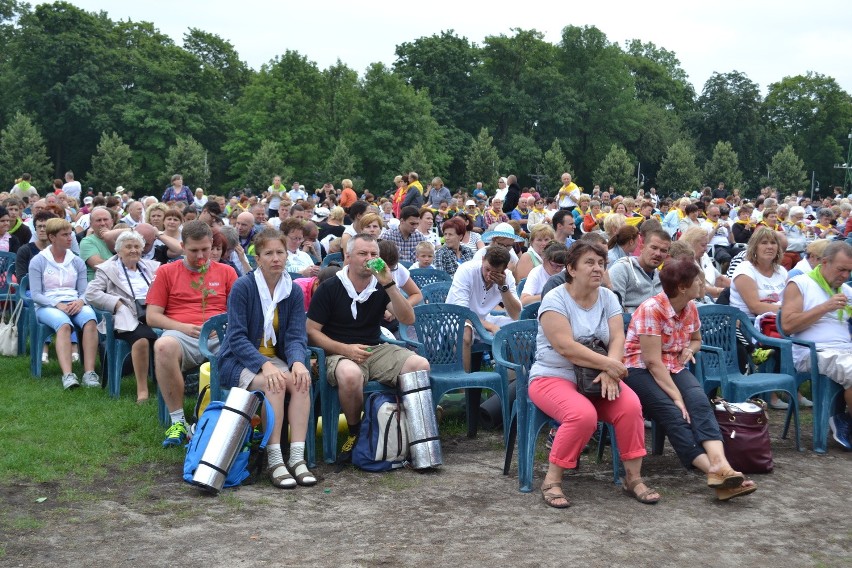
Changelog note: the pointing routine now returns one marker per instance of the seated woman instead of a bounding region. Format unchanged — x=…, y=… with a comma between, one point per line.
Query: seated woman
x=553, y=262
x=662, y=338
x=58, y=282
x=622, y=243
x=265, y=349
x=453, y=253
x=540, y=237
x=714, y=282
x=583, y=308
x=118, y=283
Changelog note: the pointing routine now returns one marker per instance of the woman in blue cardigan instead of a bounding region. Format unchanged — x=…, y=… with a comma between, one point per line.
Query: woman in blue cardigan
x=265, y=350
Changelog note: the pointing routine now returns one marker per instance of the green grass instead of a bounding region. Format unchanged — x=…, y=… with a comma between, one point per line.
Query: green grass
x=47, y=434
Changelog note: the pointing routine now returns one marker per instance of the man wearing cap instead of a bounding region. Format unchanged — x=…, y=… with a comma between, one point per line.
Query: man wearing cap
x=406, y=237
x=482, y=284
x=569, y=193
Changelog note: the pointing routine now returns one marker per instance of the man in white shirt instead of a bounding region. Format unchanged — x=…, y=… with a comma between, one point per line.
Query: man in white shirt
x=297, y=193
x=481, y=286
x=72, y=188
x=569, y=193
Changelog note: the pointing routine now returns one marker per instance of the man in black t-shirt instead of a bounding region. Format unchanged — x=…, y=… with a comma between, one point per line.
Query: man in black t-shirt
x=344, y=319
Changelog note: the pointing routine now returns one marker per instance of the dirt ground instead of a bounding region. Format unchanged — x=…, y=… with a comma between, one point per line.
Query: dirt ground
x=466, y=514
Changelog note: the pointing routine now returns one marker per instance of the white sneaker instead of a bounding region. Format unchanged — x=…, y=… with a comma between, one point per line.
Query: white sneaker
x=43, y=357
x=69, y=381
x=779, y=405
x=805, y=403
x=75, y=357
x=91, y=379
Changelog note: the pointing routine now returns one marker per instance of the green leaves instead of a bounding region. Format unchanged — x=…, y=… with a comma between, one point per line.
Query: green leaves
x=22, y=150
x=112, y=164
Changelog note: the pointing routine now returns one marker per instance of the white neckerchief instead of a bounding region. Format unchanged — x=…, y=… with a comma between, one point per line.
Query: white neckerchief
x=357, y=298
x=268, y=302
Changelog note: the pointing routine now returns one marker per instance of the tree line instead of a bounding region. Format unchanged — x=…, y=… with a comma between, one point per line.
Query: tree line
x=120, y=103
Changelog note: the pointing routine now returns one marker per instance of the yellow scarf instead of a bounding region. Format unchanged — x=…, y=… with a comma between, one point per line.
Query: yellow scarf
x=680, y=213
x=418, y=185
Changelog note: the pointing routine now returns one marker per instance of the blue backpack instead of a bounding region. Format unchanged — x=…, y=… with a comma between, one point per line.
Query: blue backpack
x=238, y=471
x=383, y=440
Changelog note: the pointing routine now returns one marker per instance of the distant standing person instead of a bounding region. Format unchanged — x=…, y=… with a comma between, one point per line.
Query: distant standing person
x=178, y=192
x=274, y=191
x=72, y=188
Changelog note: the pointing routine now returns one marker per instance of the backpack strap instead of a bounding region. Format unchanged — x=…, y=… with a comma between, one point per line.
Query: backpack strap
x=270, y=417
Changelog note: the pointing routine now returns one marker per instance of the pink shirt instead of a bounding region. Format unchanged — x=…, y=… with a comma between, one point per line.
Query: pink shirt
x=656, y=316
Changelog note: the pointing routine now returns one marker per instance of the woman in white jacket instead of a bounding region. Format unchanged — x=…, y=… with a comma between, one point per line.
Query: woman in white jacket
x=58, y=282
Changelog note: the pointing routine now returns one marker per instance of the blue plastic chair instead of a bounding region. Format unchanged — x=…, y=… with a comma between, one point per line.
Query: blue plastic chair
x=24, y=321
x=825, y=394
x=436, y=293
x=7, y=273
x=440, y=340
x=333, y=257
x=425, y=276
x=117, y=351
x=38, y=332
x=519, y=286
x=530, y=311
x=295, y=275
x=514, y=349
x=718, y=366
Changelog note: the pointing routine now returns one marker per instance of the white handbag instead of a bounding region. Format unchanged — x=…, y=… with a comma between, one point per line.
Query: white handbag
x=9, y=332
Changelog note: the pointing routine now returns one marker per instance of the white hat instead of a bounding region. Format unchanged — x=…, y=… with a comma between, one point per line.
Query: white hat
x=320, y=214
x=119, y=189
x=88, y=200
x=504, y=230
x=470, y=202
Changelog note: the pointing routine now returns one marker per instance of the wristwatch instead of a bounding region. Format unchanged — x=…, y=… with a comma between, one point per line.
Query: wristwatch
x=503, y=288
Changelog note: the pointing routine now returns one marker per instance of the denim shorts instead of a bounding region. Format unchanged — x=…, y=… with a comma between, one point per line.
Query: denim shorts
x=56, y=318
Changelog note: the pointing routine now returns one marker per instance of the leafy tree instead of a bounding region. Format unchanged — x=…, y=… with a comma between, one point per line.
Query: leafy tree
x=678, y=172
x=189, y=158
x=523, y=159
x=264, y=165
x=553, y=165
x=340, y=97
x=416, y=160
x=340, y=165
x=606, y=107
x=617, y=170
x=112, y=164
x=482, y=161
x=723, y=166
x=658, y=76
x=814, y=114
x=390, y=119
x=787, y=171
x=729, y=108
x=22, y=150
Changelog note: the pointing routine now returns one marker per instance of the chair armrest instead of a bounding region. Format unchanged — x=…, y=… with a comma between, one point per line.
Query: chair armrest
x=397, y=342
x=484, y=336
x=719, y=353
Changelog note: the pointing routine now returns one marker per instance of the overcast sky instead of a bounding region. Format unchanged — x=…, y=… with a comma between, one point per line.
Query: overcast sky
x=766, y=40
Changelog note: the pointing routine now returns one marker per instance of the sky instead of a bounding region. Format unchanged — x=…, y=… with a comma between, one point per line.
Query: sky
x=766, y=40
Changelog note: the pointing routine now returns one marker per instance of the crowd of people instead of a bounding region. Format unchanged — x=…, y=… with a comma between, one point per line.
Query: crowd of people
x=165, y=264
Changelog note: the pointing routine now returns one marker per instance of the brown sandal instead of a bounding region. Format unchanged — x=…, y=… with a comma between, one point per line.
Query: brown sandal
x=303, y=475
x=629, y=490
x=728, y=479
x=729, y=493
x=550, y=497
x=282, y=479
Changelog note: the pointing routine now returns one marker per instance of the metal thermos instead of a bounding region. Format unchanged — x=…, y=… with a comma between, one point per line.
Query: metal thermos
x=424, y=443
x=226, y=440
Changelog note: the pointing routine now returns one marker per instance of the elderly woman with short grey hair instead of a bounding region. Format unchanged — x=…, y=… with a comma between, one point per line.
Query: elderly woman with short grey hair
x=120, y=287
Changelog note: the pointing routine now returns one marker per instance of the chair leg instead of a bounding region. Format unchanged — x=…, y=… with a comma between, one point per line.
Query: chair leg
x=510, y=444
x=472, y=400
x=616, y=457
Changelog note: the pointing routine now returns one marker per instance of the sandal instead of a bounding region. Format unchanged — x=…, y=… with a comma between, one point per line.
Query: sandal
x=550, y=497
x=280, y=476
x=727, y=479
x=303, y=475
x=629, y=490
x=730, y=493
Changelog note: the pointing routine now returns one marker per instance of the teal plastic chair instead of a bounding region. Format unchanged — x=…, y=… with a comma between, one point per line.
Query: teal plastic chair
x=8, y=291
x=514, y=349
x=333, y=257
x=519, y=287
x=718, y=366
x=436, y=293
x=440, y=340
x=425, y=276
x=826, y=394
x=24, y=320
x=530, y=311
x=38, y=331
x=117, y=350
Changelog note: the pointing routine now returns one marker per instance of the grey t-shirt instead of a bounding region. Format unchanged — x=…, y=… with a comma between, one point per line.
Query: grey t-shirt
x=584, y=323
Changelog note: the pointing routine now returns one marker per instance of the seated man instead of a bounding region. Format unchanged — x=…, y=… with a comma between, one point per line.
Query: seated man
x=816, y=307
x=344, y=318
x=636, y=278
x=481, y=285
x=183, y=295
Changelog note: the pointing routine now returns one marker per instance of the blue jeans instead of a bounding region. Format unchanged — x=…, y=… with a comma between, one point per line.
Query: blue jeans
x=56, y=318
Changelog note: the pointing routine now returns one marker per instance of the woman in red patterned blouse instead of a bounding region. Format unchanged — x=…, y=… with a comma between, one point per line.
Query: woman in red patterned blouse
x=663, y=336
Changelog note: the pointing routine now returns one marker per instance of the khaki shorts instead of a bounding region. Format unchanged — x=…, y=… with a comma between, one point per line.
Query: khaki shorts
x=384, y=365
x=246, y=376
x=192, y=356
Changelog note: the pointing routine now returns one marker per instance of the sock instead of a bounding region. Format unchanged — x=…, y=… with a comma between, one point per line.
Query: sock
x=273, y=455
x=354, y=429
x=297, y=452
x=177, y=416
